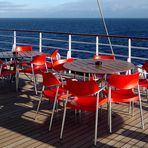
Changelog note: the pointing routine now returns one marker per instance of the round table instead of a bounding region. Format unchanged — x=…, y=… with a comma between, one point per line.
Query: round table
x=107, y=67
x=24, y=54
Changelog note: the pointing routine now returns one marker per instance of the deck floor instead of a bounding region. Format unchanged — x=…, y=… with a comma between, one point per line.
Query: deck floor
x=18, y=128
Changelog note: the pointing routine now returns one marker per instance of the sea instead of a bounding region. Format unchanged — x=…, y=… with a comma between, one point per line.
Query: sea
x=134, y=27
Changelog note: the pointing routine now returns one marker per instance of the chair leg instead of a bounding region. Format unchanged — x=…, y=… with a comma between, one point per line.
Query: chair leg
x=53, y=110
x=63, y=121
x=110, y=118
x=133, y=108
x=96, y=124
x=147, y=94
x=129, y=110
x=54, y=106
x=34, y=80
x=141, y=114
x=38, y=107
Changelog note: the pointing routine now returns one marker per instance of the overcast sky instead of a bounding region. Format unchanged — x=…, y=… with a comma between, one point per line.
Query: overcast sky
x=73, y=8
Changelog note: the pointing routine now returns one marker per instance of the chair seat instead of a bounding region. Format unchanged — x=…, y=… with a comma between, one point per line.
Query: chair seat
x=50, y=93
x=143, y=83
x=37, y=70
x=122, y=95
x=49, y=65
x=7, y=72
x=87, y=103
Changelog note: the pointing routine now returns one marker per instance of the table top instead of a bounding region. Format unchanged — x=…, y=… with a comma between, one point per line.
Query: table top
x=24, y=54
x=107, y=67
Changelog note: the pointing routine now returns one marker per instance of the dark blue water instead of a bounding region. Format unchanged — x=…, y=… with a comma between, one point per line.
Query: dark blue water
x=121, y=27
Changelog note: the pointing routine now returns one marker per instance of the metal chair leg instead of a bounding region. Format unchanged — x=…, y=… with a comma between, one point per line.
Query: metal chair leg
x=38, y=106
x=53, y=110
x=96, y=121
x=110, y=118
x=64, y=115
x=141, y=114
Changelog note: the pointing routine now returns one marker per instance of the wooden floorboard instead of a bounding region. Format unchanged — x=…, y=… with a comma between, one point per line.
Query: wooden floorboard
x=18, y=129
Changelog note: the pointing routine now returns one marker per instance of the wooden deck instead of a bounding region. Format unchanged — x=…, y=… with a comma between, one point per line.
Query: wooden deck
x=18, y=128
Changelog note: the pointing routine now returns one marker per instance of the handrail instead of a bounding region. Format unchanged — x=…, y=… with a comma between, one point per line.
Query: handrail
x=79, y=34
x=72, y=45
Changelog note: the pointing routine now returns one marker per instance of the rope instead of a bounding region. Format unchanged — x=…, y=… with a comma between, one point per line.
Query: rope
x=105, y=27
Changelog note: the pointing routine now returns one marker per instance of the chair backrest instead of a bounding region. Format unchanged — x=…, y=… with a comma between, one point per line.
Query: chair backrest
x=1, y=62
x=96, y=57
x=81, y=88
x=58, y=65
x=124, y=81
x=145, y=66
x=55, y=56
x=39, y=59
x=50, y=80
x=23, y=48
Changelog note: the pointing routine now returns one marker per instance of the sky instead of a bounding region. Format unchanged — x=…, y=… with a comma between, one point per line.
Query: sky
x=73, y=8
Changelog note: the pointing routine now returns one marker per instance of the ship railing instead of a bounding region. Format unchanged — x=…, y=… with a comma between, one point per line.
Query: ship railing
x=75, y=44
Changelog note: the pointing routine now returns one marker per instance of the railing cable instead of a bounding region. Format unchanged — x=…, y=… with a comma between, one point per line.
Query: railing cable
x=105, y=27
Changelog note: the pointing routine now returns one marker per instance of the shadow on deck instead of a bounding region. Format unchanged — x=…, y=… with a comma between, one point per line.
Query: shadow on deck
x=19, y=129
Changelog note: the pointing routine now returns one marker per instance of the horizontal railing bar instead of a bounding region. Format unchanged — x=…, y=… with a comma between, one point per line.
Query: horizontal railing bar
x=6, y=36
x=25, y=37
x=76, y=34
x=80, y=42
x=83, y=51
x=5, y=42
x=53, y=47
x=55, y=40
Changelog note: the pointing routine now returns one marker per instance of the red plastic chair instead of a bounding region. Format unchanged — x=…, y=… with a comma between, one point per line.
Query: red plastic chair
x=86, y=99
x=38, y=65
x=143, y=83
x=23, y=48
x=96, y=57
x=107, y=57
x=6, y=71
x=57, y=63
x=53, y=91
x=121, y=89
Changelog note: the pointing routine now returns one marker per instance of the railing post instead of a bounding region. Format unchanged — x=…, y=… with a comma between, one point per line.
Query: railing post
x=129, y=53
x=97, y=45
x=129, y=50
x=14, y=40
x=69, y=48
x=40, y=42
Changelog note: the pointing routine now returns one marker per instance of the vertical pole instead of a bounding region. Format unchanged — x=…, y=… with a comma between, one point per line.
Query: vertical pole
x=14, y=40
x=69, y=48
x=40, y=42
x=129, y=53
x=129, y=50
x=97, y=45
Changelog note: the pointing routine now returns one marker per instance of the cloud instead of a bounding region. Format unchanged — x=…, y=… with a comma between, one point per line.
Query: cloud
x=7, y=6
x=77, y=8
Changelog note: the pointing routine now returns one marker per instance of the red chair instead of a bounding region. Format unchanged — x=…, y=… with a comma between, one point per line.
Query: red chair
x=6, y=71
x=23, y=48
x=86, y=99
x=143, y=83
x=121, y=89
x=57, y=63
x=53, y=91
x=96, y=57
x=38, y=65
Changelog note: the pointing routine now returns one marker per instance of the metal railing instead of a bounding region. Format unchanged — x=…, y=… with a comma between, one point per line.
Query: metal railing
x=76, y=45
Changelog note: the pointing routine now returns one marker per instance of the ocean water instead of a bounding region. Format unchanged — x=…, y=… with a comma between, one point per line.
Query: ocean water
x=121, y=27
